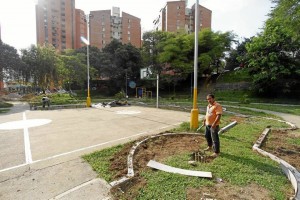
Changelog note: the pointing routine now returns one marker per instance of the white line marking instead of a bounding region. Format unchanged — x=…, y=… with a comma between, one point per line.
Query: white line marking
x=24, y=124
x=14, y=167
x=85, y=148
x=127, y=112
x=74, y=189
x=28, y=155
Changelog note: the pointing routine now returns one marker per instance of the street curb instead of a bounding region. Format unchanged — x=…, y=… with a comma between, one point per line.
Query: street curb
x=292, y=174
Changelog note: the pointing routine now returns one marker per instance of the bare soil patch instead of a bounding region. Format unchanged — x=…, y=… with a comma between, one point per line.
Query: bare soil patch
x=157, y=149
x=225, y=192
x=160, y=148
x=278, y=145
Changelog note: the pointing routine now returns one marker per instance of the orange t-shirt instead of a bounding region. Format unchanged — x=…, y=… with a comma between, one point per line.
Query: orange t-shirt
x=211, y=113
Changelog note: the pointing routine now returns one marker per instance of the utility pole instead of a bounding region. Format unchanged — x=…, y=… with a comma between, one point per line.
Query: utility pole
x=195, y=112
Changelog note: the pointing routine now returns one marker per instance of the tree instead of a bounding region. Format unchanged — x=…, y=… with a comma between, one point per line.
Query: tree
x=179, y=51
x=95, y=59
x=174, y=53
x=153, y=44
x=42, y=61
x=236, y=56
x=222, y=45
x=118, y=61
x=110, y=67
x=273, y=56
x=72, y=69
x=129, y=59
x=10, y=62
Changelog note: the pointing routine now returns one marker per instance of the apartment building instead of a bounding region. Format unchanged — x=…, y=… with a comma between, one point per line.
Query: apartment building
x=176, y=17
x=80, y=28
x=55, y=22
x=106, y=25
x=60, y=24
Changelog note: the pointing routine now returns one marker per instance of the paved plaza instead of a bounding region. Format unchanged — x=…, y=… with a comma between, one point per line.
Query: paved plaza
x=40, y=150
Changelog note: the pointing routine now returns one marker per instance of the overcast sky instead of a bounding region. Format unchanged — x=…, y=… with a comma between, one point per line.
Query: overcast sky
x=243, y=17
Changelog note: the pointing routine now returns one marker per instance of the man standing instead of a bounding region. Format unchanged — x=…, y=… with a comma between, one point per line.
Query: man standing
x=211, y=122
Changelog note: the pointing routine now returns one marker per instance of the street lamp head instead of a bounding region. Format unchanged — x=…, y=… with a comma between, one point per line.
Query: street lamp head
x=85, y=41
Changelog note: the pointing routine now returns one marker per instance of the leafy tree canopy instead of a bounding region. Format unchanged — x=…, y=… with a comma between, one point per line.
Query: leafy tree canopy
x=10, y=61
x=179, y=51
x=42, y=62
x=273, y=56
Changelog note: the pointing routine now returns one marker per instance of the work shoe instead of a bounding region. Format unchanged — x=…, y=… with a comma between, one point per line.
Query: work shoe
x=207, y=149
x=214, y=155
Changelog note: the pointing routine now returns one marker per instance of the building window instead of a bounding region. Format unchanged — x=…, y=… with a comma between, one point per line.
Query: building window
x=128, y=38
x=103, y=28
x=129, y=20
x=128, y=32
x=178, y=7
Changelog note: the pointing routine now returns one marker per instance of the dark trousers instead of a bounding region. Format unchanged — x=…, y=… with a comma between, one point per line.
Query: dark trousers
x=212, y=138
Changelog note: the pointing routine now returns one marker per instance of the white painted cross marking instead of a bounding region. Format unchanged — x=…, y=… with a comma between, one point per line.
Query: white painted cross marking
x=127, y=112
x=25, y=124
x=28, y=155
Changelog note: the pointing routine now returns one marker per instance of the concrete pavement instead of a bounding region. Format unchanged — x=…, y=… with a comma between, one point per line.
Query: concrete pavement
x=49, y=166
x=287, y=117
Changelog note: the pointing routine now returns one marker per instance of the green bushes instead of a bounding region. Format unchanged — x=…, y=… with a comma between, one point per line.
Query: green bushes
x=55, y=99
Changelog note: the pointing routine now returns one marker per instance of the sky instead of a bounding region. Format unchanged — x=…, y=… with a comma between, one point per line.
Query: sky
x=244, y=17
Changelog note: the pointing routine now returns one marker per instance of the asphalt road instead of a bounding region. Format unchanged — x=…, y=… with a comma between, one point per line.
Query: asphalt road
x=40, y=151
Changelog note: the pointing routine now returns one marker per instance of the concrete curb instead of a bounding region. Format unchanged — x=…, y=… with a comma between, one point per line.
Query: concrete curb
x=58, y=107
x=130, y=171
x=292, y=174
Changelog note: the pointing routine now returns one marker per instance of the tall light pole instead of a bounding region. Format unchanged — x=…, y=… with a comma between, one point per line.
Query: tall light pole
x=126, y=84
x=195, y=112
x=87, y=42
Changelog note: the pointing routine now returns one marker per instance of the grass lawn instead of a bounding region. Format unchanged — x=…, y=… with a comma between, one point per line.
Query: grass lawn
x=5, y=107
x=187, y=104
x=290, y=109
x=238, y=165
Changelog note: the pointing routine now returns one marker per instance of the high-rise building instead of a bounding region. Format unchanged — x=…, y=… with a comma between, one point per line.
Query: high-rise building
x=55, y=23
x=60, y=24
x=80, y=28
x=106, y=25
x=176, y=17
